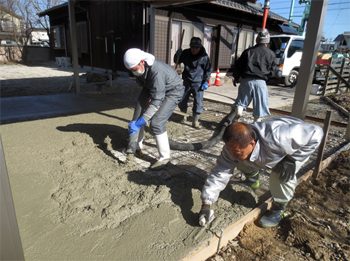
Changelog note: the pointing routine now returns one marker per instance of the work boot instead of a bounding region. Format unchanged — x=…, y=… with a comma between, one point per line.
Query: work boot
x=195, y=123
x=256, y=119
x=183, y=117
x=164, y=151
x=251, y=182
x=273, y=216
x=139, y=154
x=239, y=112
x=160, y=164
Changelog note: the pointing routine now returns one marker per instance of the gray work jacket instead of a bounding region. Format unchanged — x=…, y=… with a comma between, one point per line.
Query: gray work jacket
x=276, y=138
x=159, y=79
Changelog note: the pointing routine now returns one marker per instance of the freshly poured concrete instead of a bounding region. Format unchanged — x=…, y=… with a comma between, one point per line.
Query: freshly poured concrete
x=75, y=201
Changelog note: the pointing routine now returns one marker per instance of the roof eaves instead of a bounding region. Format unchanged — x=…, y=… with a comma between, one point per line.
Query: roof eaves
x=45, y=12
x=248, y=8
x=4, y=9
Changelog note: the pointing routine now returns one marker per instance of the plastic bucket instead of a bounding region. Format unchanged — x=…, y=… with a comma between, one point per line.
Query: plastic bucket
x=315, y=89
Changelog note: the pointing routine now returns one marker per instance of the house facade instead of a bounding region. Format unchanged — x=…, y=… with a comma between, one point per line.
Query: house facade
x=106, y=29
x=38, y=36
x=10, y=26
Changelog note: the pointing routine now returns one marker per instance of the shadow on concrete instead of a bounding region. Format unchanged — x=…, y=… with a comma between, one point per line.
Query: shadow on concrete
x=181, y=181
x=26, y=108
x=103, y=135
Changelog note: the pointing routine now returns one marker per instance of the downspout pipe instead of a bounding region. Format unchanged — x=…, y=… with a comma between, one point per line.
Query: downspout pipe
x=266, y=10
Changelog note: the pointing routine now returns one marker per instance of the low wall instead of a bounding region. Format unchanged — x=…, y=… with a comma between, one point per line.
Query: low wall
x=33, y=54
x=10, y=53
x=37, y=54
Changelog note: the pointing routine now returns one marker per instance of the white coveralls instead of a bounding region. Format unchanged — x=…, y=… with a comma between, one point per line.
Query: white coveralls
x=276, y=138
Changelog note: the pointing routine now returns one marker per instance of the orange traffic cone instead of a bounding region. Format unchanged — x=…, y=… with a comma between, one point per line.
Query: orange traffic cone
x=217, y=79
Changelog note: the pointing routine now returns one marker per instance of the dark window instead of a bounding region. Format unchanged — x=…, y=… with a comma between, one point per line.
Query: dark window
x=59, y=37
x=82, y=37
x=295, y=46
x=276, y=43
x=6, y=26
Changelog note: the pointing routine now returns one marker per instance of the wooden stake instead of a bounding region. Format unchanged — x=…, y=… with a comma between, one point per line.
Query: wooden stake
x=320, y=153
x=181, y=38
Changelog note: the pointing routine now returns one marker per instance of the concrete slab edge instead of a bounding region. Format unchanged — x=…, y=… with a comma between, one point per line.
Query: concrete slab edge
x=209, y=248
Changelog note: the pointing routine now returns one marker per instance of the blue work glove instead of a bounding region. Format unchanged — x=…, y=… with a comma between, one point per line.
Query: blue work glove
x=134, y=126
x=285, y=168
x=178, y=52
x=204, y=86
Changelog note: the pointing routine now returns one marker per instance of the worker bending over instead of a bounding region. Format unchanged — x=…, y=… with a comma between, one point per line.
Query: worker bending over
x=280, y=144
x=161, y=93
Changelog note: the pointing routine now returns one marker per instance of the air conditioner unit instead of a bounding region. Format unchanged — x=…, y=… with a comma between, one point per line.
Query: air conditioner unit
x=63, y=61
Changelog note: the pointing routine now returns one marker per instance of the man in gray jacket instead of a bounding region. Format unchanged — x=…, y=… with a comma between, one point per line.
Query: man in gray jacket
x=161, y=93
x=280, y=144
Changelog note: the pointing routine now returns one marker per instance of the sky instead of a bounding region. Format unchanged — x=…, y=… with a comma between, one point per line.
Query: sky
x=337, y=19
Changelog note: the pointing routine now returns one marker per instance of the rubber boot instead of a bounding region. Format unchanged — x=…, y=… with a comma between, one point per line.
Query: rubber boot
x=256, y=119
x=273, y=216
x=239, y=112
x=164, y=151
x=184, y=118
x=251, y=182
x=195, y=123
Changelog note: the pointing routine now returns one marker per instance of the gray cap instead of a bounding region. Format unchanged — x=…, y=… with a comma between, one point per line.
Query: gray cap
x=196, y=42
x=263, y=37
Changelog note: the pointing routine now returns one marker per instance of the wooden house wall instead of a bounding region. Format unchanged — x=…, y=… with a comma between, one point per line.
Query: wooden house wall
x=121, y=22
x=224, y=20
x=124, y=20
x=115, y=19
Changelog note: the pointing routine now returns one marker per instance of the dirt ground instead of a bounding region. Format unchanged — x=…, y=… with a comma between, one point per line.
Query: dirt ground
x=316, y=225
x=73, y=197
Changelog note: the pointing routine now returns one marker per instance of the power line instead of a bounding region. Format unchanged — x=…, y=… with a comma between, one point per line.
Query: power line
x=339, y=9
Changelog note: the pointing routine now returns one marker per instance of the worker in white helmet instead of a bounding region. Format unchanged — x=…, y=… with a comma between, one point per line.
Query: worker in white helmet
x=161, y=93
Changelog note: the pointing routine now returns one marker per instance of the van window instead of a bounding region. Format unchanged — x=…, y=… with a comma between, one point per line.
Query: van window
x=295, y=46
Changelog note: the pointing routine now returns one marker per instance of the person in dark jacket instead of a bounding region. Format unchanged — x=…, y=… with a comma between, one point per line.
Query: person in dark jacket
x=161, y=93
x=254, y=66
x=196, y=76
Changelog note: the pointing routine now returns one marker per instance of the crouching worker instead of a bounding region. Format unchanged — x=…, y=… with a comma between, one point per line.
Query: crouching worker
x=161, y=93
x=279, y=144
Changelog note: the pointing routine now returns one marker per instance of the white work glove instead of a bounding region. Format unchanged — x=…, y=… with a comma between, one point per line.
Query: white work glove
x=206, y=215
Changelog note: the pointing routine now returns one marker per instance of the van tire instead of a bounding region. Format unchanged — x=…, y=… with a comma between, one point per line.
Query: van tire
x=291, y=79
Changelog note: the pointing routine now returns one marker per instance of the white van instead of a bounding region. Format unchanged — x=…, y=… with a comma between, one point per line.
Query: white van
x=288, y=50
